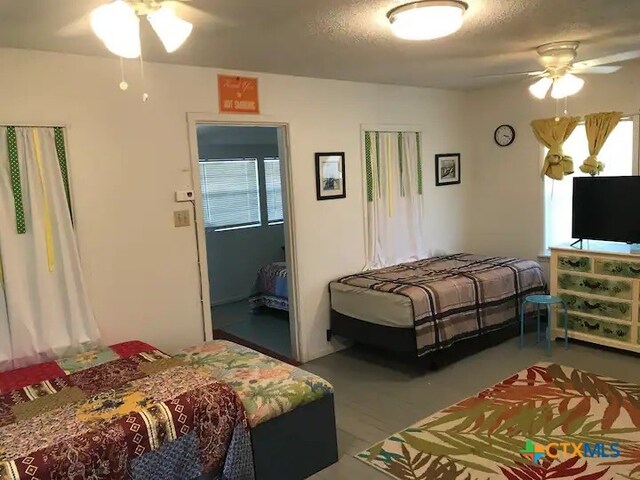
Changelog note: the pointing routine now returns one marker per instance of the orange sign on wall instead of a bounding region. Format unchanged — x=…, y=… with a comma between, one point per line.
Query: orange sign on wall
x=238, y=94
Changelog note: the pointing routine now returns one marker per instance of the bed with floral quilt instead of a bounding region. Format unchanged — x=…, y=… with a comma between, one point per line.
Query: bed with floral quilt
x=127, y=411
x=271, y=289
x=290, y=411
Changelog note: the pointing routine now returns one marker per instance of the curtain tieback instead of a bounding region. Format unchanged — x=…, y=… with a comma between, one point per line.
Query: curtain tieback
x=557, y=165
x=592, y=166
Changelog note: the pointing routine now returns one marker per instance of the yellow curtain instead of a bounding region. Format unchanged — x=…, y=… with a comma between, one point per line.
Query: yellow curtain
x=552, y=133
x=599, y=126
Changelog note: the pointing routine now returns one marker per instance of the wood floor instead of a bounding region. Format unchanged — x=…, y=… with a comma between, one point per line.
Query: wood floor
x=376, y=398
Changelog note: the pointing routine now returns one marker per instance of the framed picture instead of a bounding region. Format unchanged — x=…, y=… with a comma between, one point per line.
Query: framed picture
x=330, y=176
x=447, y=169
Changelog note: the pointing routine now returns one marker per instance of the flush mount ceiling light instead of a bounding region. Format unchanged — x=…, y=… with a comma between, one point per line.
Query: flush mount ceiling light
x=427, y=19
x=117, y=24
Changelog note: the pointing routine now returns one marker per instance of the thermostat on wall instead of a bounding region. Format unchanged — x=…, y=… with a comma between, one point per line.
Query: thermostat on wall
x=185, y=196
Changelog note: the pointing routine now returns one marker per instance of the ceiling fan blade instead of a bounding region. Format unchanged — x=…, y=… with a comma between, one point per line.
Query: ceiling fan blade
x=604, y=69
x=513, y=74
x=78, y=27
x=190, y=13
x=617, y=58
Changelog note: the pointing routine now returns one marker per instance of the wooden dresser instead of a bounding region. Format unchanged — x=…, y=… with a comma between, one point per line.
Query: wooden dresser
x=601, y=286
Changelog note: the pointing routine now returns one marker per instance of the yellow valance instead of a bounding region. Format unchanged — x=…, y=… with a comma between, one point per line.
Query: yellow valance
x=552, y=133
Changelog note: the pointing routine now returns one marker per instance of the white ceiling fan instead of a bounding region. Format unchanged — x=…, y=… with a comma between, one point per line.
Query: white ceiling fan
x=559, y=73
x=117, y=24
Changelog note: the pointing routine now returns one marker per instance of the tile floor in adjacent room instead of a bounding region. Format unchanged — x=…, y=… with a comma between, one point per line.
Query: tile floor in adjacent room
x=376, y=397
x=267, y=328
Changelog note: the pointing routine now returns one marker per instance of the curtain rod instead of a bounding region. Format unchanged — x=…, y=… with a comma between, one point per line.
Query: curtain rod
x=393, y=131
x=23, y=125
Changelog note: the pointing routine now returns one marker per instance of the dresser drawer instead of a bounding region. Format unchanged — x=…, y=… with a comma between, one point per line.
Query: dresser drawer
x=617, y=268
x=575, y=264
x=596, y=286
x=596, y=327
x=602, y=308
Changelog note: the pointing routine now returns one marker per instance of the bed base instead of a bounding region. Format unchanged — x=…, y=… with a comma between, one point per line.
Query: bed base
x=295, y=445
x=401, y=342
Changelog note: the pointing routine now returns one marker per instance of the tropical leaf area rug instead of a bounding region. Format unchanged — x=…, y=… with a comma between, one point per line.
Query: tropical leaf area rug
x=546, y=422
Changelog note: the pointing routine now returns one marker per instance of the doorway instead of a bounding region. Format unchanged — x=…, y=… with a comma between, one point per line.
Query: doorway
x=242, y=172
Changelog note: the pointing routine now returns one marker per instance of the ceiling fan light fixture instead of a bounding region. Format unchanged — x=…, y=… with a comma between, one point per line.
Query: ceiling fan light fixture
x=118, y=26
x=566, y=86
x=172, y=30
x=540, y=88
x=427, y=19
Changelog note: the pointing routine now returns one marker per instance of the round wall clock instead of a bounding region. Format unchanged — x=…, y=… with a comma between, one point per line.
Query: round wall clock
x=504, y=135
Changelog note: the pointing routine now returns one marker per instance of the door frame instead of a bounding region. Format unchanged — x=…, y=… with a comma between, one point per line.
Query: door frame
x=195, y=119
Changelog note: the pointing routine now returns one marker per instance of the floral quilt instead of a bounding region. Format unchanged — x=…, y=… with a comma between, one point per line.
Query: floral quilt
x=134, y=417
x=267, y=387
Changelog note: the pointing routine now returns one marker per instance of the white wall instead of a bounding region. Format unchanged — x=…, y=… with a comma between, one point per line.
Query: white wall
x=507, y=197
x=127, y=159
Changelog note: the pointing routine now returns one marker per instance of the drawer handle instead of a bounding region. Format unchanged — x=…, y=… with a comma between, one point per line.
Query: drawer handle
x=592, y=306
x=574, y=263
x=592, y=327
x=592, y=284
x=634, y=270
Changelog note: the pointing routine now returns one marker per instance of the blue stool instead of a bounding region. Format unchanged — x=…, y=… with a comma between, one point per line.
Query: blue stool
x=549, y=301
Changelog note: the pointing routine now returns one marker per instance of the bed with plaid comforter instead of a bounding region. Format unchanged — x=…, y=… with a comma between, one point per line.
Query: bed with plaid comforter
x=456, y=297
x=115, y=414
x=271, y=289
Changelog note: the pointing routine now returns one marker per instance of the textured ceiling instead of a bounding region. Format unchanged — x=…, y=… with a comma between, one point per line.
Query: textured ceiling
x=345, y=39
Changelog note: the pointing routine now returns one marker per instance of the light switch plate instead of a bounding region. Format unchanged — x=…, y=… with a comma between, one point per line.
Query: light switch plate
x=181, y=218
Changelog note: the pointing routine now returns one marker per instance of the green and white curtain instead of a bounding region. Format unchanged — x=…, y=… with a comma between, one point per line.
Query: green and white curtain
x=44, y=307
x=395, y=202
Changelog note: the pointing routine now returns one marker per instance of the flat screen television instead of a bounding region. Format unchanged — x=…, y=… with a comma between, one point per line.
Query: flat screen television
x=607, y=208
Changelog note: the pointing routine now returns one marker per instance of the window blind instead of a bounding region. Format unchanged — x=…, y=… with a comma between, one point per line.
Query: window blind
x=274, y=190
x=230, y=193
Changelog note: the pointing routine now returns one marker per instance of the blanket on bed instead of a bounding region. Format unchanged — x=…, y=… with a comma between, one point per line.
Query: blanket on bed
x=457, y=296
x=271, y=288
x=146, y=416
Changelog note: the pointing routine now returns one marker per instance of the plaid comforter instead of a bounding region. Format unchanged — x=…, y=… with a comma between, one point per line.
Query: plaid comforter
x=141, y=416
x=271, y=288
x=457, y=296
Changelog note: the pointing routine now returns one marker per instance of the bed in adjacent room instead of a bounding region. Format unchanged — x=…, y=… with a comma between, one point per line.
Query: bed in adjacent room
x=434, y=304
x=270, y=289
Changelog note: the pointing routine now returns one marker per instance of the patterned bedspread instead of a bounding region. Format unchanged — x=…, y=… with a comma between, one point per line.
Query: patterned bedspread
x=457, y=296
x=271, y=288
x=144, y=416
x=22, y=377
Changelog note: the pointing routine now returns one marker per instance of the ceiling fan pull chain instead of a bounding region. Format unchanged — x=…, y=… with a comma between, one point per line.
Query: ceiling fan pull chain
x=145, y=95
x=123, y=83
